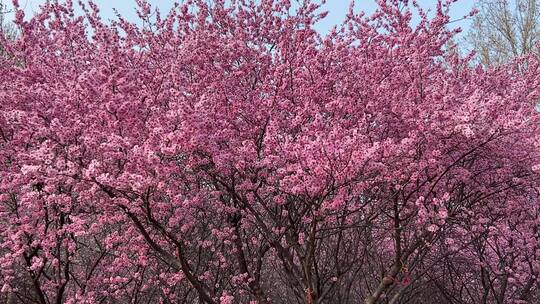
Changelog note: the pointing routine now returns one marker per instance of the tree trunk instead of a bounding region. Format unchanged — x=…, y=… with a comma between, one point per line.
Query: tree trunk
x=386, y=282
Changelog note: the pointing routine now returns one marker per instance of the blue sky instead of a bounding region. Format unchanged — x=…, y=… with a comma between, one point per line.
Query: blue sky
x=336, y=9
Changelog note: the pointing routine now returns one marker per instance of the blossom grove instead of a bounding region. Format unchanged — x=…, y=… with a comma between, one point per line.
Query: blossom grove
x=226, y=152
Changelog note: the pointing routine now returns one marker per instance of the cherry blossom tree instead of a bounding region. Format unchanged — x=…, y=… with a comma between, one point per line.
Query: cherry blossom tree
x=226, y=152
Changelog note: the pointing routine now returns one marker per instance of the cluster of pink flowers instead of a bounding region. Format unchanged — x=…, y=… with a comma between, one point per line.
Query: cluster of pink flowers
x=226, y=152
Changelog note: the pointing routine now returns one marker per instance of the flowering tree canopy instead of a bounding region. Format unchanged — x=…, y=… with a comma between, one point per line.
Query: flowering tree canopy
x=226, y=152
